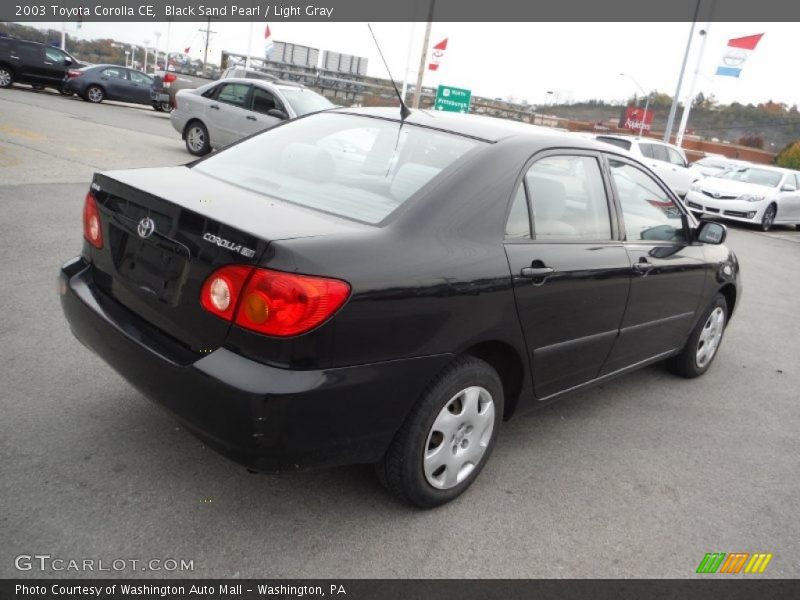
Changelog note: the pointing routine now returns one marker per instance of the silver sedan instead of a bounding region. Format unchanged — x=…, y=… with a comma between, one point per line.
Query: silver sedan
x=223, y=112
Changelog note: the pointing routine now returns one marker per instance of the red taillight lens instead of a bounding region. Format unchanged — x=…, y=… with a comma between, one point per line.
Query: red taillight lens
x=74, y=74
x=273, y=302
x=221, y=291
x=92, y=227
x=169, y=78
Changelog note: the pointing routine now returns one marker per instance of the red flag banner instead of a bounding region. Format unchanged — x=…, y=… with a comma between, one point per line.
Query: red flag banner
x=437, y=54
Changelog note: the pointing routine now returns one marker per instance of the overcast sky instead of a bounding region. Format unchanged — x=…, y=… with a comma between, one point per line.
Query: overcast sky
x=524, y=60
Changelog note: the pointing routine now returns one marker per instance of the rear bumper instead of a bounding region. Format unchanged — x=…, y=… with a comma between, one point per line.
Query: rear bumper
x=261, y=416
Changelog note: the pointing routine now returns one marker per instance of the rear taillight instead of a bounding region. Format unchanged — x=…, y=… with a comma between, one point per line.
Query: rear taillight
x=74, y=74
x=92, y=227
x=221, y=290
x=169, y=78
x=272, y=302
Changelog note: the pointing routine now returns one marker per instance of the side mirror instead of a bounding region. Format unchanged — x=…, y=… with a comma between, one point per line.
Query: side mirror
x=277, y=113
x=711, y=232
x=788, y=187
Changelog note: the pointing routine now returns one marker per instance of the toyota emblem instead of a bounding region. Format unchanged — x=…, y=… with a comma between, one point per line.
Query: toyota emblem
x=716, y=195
x=146, y=227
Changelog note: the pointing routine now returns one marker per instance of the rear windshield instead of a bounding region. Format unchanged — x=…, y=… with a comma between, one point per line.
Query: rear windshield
x=757, y=176
x=624, y=144
x=356, y=167
x=305, y=101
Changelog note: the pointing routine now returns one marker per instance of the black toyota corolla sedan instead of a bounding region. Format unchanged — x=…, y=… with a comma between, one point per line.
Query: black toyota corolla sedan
x=350, y=287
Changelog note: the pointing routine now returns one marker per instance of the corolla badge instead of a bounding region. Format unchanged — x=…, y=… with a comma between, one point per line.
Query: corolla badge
x=146, y=227
x=716, y=194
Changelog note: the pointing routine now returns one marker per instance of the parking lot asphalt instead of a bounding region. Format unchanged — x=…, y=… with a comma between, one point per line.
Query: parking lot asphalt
x=637, y=478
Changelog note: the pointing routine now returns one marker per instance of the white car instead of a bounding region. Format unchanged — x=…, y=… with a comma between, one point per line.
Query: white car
x=714, y=166
x=223, y=112
x=756, y=194
x=667, y=161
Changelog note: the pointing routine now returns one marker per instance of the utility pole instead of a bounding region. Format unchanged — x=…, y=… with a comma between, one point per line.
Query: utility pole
x=207, y=31
x=158, y=40
x=674, y=108
x=423, y=58
x=166, y=49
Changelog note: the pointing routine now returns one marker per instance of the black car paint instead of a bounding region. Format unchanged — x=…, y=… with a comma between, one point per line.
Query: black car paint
x=29, y=63
x=433, y=281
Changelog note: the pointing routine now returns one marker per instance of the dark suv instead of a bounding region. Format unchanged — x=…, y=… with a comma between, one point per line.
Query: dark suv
x=34, y=63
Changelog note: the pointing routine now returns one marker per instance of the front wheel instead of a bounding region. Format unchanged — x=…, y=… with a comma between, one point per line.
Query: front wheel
x=704, y=341
x=448, y=436
x=769, y=217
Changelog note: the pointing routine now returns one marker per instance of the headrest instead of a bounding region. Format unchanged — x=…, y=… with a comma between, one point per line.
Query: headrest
x=549, y=198
x=410, y=178
x=307, y=161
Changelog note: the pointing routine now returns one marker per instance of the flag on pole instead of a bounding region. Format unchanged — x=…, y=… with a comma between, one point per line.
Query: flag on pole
x=437, y=54
x=268, y=45
x=736, y=54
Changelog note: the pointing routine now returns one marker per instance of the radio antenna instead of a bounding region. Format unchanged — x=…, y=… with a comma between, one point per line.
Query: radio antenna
x=404, y=111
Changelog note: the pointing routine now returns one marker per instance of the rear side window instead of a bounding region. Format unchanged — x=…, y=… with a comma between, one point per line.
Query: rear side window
x=649, y=213
x=356, y=167
x=233, y=93
x=568, y=199
x=55, y=56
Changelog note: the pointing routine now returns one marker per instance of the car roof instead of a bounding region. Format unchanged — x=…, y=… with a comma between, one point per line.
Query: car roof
x=490, y=129
x=262, y=82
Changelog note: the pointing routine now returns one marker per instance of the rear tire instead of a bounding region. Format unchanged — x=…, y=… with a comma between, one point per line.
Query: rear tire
x=447, y=438
x=6, y=77
x=94, y=94
x=197, y=141
x=703, y=344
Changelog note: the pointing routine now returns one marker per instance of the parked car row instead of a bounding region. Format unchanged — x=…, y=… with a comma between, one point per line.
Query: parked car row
x=733, y=189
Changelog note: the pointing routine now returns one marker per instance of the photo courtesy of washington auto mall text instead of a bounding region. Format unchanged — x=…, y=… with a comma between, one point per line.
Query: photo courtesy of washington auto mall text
x=399, y=299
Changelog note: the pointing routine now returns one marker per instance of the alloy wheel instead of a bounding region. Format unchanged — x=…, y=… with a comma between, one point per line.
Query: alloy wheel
x=769, y=218
x=95, y=94
x=5, y=78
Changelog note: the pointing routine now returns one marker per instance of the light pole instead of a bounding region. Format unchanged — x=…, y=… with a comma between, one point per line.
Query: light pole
x=646, y=102
x=127, y=56
x=146, y=44
x=158, y=38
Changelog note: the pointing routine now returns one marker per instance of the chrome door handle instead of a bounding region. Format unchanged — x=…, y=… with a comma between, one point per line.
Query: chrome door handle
x=642, y=267
x=536, y=272
x=214, y=106
x=250, y=118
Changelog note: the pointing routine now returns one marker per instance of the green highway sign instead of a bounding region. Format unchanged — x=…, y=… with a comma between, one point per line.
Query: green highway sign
x=452, y=99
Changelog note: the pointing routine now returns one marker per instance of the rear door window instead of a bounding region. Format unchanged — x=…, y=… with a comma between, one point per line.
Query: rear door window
x=568, y=198
x=656, y=151
x=114, y=73
x=518, y=225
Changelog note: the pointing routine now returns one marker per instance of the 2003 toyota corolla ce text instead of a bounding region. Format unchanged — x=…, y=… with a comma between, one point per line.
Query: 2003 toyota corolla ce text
x=350, y=287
